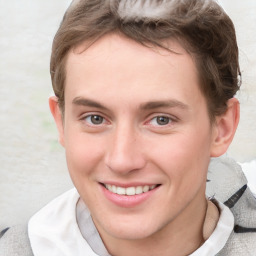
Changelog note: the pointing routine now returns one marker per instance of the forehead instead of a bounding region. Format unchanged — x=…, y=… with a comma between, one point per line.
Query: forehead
x=116, y=64
x=115, y=45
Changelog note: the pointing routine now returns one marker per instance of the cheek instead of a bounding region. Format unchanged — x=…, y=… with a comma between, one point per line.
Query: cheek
x=184, y=158
x=83, y=153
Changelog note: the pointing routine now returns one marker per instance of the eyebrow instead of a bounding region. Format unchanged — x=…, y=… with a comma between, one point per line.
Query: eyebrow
x=79, y=101
x=164, y=104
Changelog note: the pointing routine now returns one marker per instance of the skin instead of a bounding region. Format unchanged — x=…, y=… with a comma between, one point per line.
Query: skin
x=128, y=87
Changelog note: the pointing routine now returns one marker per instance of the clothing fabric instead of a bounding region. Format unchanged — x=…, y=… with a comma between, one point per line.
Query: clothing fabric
x=228, y=184
x=56, y=230
x=15, y=242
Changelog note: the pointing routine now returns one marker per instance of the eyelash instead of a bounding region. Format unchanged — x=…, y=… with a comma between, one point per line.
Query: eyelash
x=170, y=120
x=152, y=121
x=90, y=123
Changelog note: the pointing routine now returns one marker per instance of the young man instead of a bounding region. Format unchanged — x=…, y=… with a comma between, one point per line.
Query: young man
x=144, y=97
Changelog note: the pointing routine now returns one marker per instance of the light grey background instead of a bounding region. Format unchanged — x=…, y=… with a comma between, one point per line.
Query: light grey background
x=32, y=164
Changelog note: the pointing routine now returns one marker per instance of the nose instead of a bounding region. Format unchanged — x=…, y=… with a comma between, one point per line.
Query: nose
x=125, y=152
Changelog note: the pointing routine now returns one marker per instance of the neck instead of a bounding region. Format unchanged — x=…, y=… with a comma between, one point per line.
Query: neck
x=180, y=237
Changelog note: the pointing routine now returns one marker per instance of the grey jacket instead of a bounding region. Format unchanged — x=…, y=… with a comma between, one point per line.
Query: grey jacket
x=227, y=183
x=15, y=242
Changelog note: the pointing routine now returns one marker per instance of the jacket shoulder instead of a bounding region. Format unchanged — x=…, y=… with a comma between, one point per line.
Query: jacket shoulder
x=240, y=245
x=228, y=184
x=243, y=238
x=15, y=242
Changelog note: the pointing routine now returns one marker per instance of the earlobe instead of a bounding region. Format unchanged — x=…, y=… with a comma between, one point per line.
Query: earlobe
x=57, y=115
x=225, y=128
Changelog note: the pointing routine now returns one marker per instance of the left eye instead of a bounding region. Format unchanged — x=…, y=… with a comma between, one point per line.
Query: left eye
x=160, y=120
x=94, y=119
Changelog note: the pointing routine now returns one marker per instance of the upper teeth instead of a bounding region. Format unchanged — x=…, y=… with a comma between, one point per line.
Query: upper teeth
x=130, y=191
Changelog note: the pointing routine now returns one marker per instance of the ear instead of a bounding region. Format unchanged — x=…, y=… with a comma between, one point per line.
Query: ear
x=57, y=115
x=225, y=128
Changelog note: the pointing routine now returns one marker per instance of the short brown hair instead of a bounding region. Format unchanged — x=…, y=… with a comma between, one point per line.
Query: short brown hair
x=201, y=26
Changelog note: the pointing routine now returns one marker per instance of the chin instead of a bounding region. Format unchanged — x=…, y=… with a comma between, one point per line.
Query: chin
x=130, y=230
x=132, y=234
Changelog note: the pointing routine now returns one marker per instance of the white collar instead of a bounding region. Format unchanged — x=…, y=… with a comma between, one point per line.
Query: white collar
x=220, y=235
x=54, y=230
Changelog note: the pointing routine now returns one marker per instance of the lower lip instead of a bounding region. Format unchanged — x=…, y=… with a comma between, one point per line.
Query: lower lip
x=128, y=201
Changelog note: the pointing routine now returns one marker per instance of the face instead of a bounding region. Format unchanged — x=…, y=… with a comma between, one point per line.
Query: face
x=137, y=136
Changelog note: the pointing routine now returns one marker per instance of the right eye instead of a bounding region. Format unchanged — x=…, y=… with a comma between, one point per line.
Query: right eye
x=94, y=119
x=161, y=120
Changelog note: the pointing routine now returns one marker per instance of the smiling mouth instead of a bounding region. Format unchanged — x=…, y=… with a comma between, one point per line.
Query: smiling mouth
x=130, y=191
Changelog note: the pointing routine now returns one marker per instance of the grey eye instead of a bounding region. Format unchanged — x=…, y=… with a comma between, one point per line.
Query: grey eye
x=95, y=119
x=162, y=120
